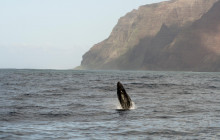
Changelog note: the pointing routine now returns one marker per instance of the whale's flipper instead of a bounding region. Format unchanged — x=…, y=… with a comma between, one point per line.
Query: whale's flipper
x=123, y=97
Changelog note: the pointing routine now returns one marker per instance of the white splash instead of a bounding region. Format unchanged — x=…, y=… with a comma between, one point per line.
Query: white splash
x=133, y=106
x=118, y=106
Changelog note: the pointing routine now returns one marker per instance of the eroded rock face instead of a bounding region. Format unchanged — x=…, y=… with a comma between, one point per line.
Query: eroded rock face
x=169, y=35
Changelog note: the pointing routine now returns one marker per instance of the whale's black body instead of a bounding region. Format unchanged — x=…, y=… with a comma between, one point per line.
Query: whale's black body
x=123, y=97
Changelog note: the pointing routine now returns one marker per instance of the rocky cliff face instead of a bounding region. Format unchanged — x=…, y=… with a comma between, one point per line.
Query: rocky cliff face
x=173, y=35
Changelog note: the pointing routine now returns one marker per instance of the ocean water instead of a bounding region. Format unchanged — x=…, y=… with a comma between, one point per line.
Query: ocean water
x=68, y=104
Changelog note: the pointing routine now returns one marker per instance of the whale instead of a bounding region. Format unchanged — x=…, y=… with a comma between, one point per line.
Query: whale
x=123, y=97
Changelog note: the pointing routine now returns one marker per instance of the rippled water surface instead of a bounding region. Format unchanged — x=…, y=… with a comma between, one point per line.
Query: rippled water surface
x=51, y=104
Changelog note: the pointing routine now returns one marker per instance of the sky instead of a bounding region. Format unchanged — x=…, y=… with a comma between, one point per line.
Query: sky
x=54, y=34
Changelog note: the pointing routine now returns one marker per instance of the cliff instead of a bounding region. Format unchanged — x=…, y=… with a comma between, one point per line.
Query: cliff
x=172, y=35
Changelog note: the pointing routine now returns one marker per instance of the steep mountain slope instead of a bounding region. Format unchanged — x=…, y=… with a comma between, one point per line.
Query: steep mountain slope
x=171, y=35
x=196, y=48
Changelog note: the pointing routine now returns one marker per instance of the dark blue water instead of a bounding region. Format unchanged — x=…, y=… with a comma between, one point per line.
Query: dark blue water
x=51, y=104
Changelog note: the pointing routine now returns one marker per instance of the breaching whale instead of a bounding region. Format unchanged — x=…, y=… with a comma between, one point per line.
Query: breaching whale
x=123, y=97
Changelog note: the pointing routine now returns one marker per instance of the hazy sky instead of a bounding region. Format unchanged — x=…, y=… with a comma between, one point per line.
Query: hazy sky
x=54, y=34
